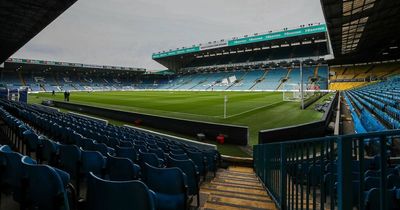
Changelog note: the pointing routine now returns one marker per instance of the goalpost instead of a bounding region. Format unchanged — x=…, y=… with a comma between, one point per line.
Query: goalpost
x=292, y=92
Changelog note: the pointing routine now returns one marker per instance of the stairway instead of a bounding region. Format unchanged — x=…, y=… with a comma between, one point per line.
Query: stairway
x=260, y=79
x=286, y=79
x=240, y=79
x=235, y=188
x=21, y=78
x=42, y=87
x=316, y=71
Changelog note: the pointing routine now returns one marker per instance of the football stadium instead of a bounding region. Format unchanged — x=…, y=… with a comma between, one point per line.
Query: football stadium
x=304, y=117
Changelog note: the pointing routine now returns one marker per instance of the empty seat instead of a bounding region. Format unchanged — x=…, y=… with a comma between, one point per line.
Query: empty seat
x=199, y=160
x=212, y=160
x=45, y=188
x=102, y=148
x=122, y=195
x=12, y=171
x=32, y=141
x=127, y=152
x=158, y=151
x=92, y=161
x=150, y=158
x=372, y=199
x=172, y=194
x=179, y=156
x=122, y=169
x=190, y=169
x=69, y=160
x=49, y=151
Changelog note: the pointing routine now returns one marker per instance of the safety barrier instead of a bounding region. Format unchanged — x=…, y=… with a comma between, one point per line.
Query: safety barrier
x=338, y=172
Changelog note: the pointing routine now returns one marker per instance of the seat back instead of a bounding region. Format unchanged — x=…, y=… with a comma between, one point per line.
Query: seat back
x=70, y=156
x=179, y=156
x=121, y=195
x=372, y=199
x=189, y=168
x=158, y=151
x=149, y=158
x=45, y=188
x=127, y=152
x=199, y=160
x=49, y=150
x=92, y=161
x=13, y=170
x=155, y=179
x=32, y=140
x=171, y=194
x=100, y=147
x=122, y=169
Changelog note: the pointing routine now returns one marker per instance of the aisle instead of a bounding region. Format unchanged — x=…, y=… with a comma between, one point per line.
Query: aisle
x=236, y=188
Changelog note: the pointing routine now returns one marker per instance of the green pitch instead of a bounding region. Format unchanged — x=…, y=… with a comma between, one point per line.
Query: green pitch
x=258, y=110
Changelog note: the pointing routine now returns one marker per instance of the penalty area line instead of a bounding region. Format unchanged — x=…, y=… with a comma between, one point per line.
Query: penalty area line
x=260, y=107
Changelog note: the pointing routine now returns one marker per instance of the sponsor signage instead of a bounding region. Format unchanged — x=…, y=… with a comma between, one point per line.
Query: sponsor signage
x=279, y=35
x=213, y=45
x=177, y=52
x=247, y=40
x=53, y=63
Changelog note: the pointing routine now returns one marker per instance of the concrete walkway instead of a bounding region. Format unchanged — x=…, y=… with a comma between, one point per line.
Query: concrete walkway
x=235, y=188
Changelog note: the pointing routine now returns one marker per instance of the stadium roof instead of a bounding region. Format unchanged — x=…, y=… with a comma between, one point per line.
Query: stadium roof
x=29, y=64
x=304, y=35
x=363, y=30
x=21, y=20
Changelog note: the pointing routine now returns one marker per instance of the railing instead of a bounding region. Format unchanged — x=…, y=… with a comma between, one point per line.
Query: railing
x=340, y=172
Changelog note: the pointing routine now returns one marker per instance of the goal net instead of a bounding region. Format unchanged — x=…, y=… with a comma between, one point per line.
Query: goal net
x=291, y=92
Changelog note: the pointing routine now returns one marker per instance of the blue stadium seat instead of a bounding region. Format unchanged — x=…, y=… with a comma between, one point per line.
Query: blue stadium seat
x=45, y=188
x=32, y=141
x=199, y=160
x=49, y=151
x=92, y=161
x=212, y=160
x=172, y=194
x=372, y=200
x=150, y=158
x=127, y=152
x=158, y=151
x=192, y=173
x=102, y=148
x=125, y=144
x=179, y=156
x=122, y=169
x=121, y=195
x=12, y=172
x=70, y=160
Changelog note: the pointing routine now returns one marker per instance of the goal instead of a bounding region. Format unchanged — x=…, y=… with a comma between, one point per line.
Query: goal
x=291, y=92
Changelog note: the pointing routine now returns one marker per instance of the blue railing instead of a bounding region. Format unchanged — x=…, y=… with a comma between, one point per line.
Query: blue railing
x=341, y=172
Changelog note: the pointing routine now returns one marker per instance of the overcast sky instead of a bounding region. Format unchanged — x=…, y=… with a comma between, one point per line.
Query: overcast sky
x=127, y=32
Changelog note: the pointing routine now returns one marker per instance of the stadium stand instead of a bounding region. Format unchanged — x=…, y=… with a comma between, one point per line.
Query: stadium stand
x=377, y=105
x=348, y=77
x=251, y=79
x=66, y=142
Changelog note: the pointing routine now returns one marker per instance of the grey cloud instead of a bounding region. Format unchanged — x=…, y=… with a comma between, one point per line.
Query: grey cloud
x=127, y=32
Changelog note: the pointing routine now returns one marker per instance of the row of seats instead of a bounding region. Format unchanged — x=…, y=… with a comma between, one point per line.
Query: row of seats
x=135, y=154
x=381, y=100
x=69, y=81
x=317, y=176
x=349, y=77
x=345, y=85
x=252, y=79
